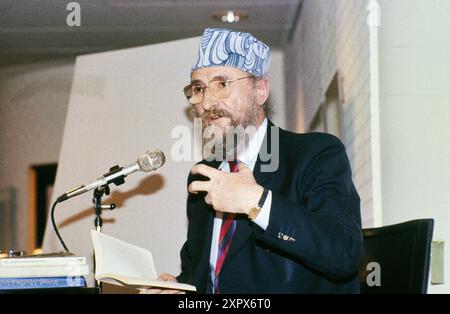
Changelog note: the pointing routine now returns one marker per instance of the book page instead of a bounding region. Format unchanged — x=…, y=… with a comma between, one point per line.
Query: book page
x=121, y=263
x=115, y=256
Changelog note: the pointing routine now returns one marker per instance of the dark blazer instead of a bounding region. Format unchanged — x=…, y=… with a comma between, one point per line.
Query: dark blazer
x=313, y=243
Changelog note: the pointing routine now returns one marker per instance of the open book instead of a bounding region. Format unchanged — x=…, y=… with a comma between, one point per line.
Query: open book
x=120, y=263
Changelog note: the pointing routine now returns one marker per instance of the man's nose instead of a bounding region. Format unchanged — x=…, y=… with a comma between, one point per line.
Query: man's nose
x=208, y=100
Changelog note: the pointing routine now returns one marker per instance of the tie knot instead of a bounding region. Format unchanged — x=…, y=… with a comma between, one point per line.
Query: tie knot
x=234, y=166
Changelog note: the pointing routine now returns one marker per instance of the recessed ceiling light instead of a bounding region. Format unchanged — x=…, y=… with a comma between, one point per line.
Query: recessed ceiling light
x=230, y=16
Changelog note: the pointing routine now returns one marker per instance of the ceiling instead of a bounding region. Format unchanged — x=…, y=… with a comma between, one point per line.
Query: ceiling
x=38, y=27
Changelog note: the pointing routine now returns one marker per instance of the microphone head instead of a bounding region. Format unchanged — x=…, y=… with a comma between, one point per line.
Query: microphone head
x=151, y=160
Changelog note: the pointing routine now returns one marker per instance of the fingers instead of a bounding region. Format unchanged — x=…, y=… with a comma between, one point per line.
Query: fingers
x=164, y=277
x=167, y=277
x=161, y=291
x=242, y=166
x=150, y=291
x=199, y=186
x=205, y=170
x=171, y=291
x=208, y=199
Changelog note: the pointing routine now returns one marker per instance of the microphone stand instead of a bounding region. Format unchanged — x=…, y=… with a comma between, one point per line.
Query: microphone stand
x=98, y=207
x=102, y=190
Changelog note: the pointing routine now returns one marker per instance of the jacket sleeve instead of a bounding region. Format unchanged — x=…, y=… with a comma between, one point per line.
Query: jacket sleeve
x=323, y=229
x=185, y=275
x=185, y=253
x=190, y=249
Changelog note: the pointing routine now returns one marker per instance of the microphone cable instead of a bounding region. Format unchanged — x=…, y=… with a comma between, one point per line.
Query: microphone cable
x=52, y=214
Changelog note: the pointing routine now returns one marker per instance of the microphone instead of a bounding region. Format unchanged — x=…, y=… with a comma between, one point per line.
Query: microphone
x=146, y=162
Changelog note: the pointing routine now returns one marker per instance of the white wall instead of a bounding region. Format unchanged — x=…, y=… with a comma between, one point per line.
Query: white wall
x=33, y=106
x=277, y=88
x=415, y=115
x=333, y=36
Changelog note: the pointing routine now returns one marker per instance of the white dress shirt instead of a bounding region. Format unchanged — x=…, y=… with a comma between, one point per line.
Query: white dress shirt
x=248, y=157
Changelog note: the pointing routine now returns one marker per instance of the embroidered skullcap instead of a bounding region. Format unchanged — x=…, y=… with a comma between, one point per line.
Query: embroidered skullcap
x=224, y=47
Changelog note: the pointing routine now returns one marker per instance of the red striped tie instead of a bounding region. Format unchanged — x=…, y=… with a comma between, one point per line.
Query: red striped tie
x=226, y=235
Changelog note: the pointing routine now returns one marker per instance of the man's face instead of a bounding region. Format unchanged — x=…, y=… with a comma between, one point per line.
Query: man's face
x=221, y=115
x=239, y=109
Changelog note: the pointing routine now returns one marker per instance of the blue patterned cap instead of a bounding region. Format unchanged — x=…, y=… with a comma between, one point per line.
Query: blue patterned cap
x=224, y=47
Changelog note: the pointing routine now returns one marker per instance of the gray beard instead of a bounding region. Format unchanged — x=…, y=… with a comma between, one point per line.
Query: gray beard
x=220, y=144
x=228, y=146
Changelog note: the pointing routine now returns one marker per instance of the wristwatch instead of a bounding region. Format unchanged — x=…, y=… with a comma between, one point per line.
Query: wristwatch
x=254, y=211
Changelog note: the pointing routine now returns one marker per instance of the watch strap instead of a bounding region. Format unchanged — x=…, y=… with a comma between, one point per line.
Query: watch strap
x=254, y=211
x=263, y=198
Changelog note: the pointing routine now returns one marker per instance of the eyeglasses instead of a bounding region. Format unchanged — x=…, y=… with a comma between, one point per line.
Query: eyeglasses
x=220, y=88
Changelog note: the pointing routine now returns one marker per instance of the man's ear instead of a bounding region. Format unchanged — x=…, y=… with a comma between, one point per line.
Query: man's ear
x=262, y=88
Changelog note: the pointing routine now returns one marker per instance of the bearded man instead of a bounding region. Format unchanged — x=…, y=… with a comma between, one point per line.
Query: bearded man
x=293, y=228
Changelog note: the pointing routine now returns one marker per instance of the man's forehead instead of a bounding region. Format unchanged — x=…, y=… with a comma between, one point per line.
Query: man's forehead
x=206, y=74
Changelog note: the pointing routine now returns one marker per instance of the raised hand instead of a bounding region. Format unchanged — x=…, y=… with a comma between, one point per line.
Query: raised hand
x=227, y=192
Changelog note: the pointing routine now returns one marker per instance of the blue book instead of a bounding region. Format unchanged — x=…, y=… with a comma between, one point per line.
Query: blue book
x=41, y=282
